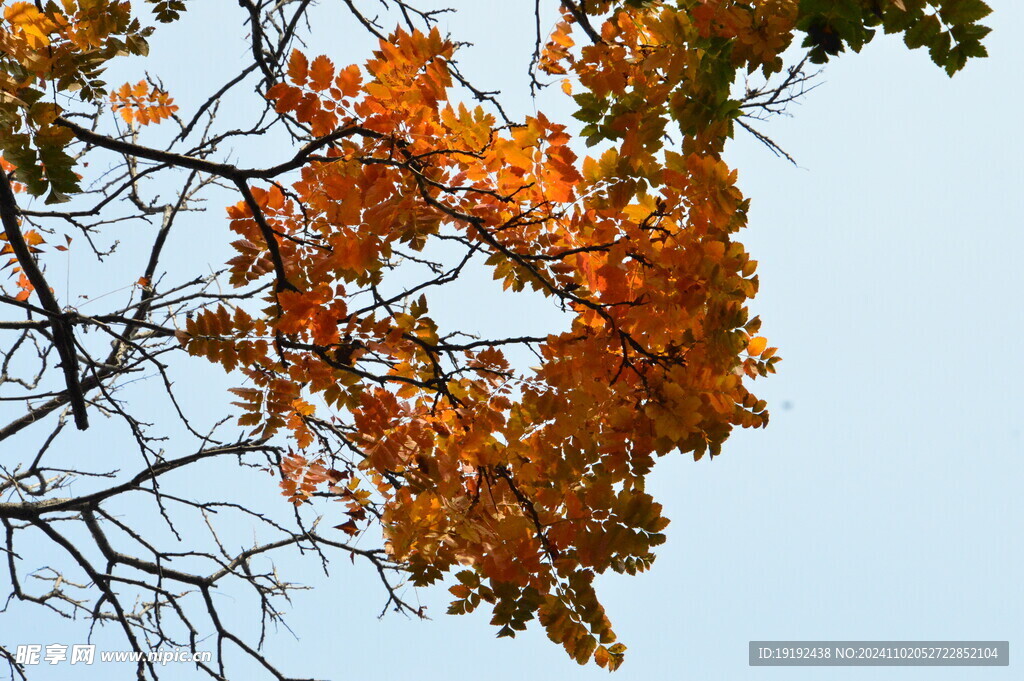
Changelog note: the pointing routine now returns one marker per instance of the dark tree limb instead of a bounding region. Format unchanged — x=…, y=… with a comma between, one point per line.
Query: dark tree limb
x=63, y=338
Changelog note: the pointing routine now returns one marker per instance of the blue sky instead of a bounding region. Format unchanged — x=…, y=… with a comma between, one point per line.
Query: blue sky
x=882, y=502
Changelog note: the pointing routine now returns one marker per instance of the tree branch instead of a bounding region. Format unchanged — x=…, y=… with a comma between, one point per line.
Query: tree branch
x=63, y=338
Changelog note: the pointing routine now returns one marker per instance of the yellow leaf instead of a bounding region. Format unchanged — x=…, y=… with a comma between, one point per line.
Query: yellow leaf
x=757, y=345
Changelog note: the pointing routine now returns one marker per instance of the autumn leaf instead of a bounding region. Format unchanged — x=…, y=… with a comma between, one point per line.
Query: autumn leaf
x=140, y=104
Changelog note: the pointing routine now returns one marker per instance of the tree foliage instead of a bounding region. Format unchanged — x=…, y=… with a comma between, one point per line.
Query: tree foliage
x=523, y=483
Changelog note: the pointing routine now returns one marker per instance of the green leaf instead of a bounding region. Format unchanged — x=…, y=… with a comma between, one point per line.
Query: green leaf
x=56, y=197
x=923, y=32
x=59, y=170
x=939, y=49
x=591, y=108
x=167, y=11
x=964, y=11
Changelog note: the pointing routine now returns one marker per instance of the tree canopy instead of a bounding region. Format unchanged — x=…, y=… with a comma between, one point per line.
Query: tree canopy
x=402, y=175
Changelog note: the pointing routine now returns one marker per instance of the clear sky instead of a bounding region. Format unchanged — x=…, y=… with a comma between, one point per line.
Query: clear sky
x=884, y=499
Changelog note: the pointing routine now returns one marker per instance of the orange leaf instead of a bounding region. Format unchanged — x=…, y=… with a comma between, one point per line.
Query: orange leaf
x=321, y=73
x=26, y=288
x=286, y=96
x=349, y=81
x=298, y=67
